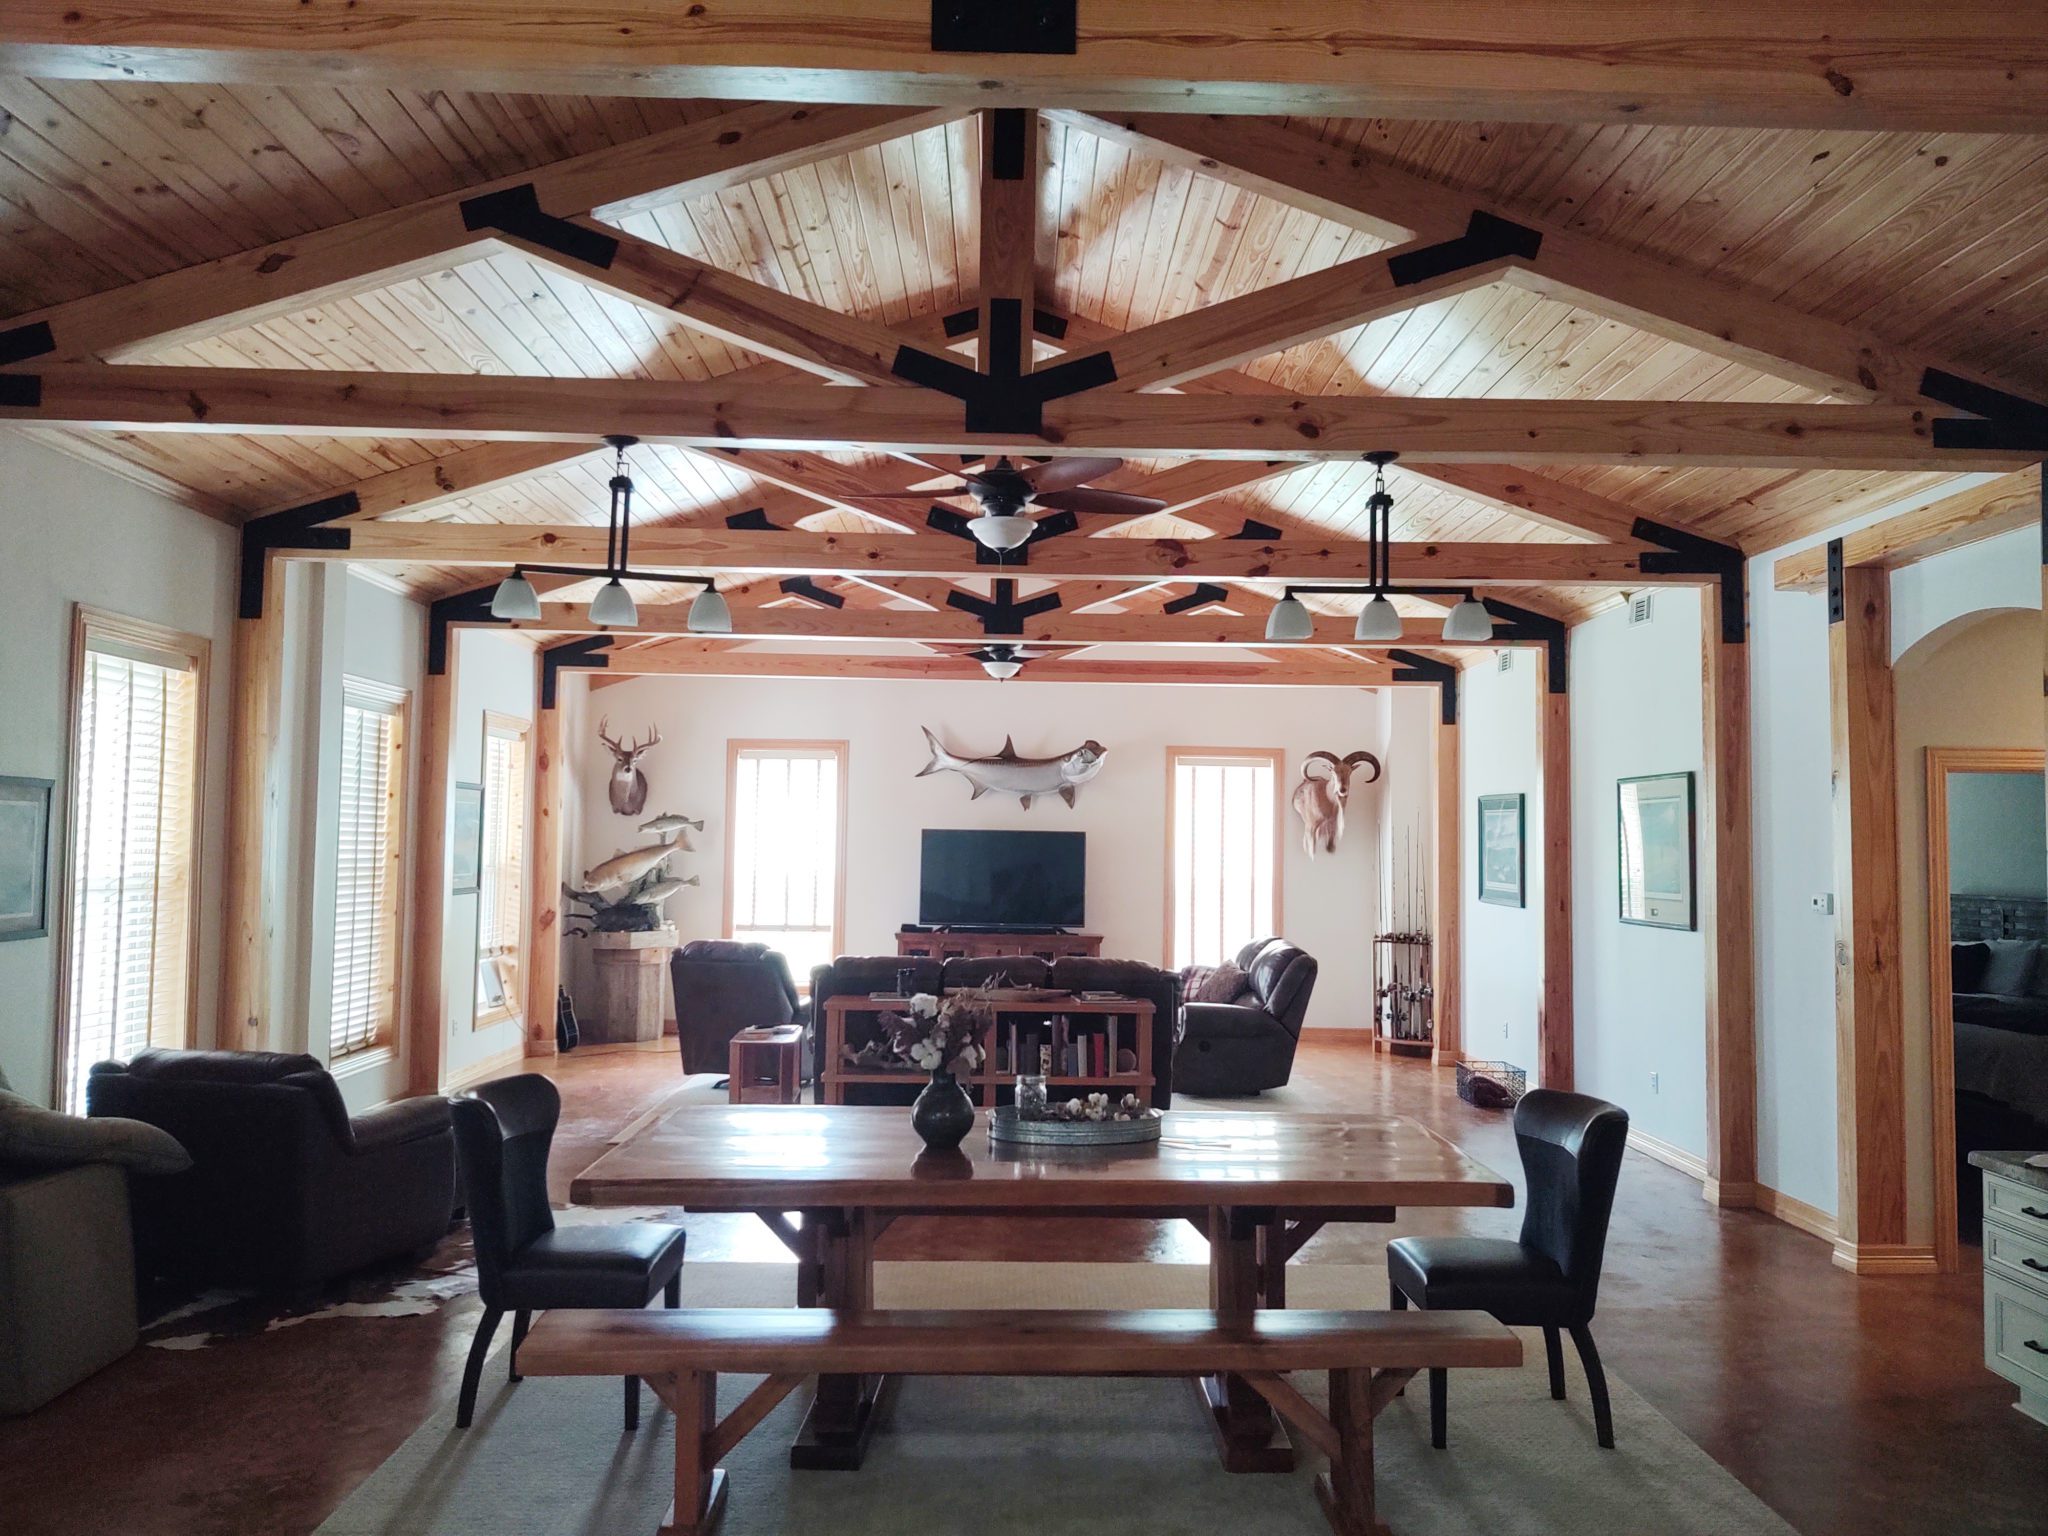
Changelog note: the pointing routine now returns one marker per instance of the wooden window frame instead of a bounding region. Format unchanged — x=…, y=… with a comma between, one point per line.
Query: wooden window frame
x=736, y=749
x=385, y=1044
x=517, y=728
x=1277, y=758
x=88, y=624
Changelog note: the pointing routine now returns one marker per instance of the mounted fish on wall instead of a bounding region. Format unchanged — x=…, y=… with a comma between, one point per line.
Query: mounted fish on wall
x=626, y=893
x=1025, y=777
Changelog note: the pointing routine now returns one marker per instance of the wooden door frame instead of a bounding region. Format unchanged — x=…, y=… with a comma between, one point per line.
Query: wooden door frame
x=1941, y=1042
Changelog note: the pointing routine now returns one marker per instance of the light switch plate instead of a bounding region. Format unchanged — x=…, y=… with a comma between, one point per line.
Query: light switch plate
x=1824, y=902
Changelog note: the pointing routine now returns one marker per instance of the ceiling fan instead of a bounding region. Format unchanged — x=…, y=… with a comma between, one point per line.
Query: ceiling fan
x=1004, y=661
x=1003, y=491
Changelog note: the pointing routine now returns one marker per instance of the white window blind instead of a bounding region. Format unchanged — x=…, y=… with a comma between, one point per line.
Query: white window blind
x=785, y=851
x=501, y=897
x=134, y=830
x=1224, y=860
x=363, y=1011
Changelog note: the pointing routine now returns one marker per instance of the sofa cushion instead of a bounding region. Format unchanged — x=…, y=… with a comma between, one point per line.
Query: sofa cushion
x=1214, y=983
x=34, y=1137
x=980, y=970
x=2010, y=969
x=1966, y=966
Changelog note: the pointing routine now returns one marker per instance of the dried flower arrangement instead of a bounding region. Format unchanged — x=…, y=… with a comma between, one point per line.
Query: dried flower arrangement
x=1096, y=1106
x=936, y=1034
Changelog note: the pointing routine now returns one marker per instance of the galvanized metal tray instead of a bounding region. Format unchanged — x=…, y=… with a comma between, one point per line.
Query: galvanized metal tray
x=1005, y=1125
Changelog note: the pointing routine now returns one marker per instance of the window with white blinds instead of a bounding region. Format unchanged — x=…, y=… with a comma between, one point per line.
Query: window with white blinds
x=1221, y=816
x=788, y=808
x=369, y=857
x=133, y=843
x=501, y=893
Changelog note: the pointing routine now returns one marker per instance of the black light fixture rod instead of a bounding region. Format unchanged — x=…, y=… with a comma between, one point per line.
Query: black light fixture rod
x=1408, y=589
x=621, y=573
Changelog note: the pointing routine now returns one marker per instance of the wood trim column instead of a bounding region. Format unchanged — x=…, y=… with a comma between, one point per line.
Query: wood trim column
x=1870, y=1221
x=544, y=910
x=251, y=877
x=1447, y=892
x=1555, y=1037
x=1009, y=239
x=426, y=1018
x=1726, y=918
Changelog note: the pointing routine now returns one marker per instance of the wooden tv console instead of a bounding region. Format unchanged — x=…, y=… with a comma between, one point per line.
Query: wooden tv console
x=931, y=944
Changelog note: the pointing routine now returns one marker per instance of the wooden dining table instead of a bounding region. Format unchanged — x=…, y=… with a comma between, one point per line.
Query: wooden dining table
x=828, y=1179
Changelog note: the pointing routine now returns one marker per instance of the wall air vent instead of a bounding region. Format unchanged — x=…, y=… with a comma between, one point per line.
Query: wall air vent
x=1639, y=608
x=1507, y=661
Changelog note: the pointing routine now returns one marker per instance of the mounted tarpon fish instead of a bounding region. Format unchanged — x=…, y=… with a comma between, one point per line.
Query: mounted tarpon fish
x=625, y=868
x=1025, y=777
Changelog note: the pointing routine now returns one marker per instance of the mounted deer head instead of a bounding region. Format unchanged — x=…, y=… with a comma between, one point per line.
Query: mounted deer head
x=628, y=783
x=1319, y=798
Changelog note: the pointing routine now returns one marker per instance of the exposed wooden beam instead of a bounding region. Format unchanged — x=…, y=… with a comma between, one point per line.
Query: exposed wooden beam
x=1650, y=294
x=1968, y=517
x=693, y=659
x=1726, y=911
x=380, y=249
x=252, y=869
x=1864, y=64
x=1008, y=213
x=549, y=831
x=426, y=1011
x=1556, y=1015
x=682, y=548
x=718, y=413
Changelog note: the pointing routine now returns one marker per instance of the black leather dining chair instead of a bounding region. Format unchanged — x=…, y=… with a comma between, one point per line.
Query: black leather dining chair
x=1549, y=1278
x=524, y=1262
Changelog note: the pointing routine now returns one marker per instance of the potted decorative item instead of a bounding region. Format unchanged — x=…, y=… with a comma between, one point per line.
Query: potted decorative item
x=1092, y=1120
x=939, y=1035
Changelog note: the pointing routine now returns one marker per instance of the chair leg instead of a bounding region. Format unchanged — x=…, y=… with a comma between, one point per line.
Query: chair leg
x=1553, y=1346
x=520, y=1319
x=480, y=1346
x=1596, y=1384
x=1399, y=1298
x=672, y=1293
x=1439, y=1408
x=632, y=1402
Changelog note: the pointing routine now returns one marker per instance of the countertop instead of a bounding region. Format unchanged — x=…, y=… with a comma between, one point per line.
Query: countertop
x=2011, y=1165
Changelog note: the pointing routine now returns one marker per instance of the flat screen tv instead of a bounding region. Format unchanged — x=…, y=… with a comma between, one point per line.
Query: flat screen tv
x=1003, y=879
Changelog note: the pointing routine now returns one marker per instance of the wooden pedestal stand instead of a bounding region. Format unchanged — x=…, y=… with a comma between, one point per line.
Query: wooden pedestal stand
x=632, y=986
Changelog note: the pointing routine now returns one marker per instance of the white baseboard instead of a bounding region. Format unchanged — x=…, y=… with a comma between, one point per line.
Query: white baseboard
x=491, y=1066
x=1810, y=1219
x=1670, y=1156
x=1886, y=1258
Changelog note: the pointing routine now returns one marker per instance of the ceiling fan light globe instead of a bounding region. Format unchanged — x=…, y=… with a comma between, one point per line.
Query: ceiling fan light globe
x=1001, y=530
x=1003, y=668
x=614, y=605
x=1378, y=620
x=1289, y=620
x=515, y=599
x=1469, y=621
x=710, y=614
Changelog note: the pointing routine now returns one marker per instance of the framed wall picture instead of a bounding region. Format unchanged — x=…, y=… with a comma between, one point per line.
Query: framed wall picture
x=1658, y=882
x=468, y=838
x=1501, y=857
x=24, y=857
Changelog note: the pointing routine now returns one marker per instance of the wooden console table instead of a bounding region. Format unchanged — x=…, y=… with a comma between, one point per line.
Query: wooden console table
x=1132, y=1014
x=949, y=944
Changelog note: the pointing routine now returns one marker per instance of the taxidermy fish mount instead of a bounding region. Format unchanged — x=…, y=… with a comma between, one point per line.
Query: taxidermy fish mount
x=626, y=893
x=1025, y=777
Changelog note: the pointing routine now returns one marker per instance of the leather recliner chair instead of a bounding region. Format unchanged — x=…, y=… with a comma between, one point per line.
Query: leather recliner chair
x=286, y=1190
x=723, y=986
x=1248, y=1046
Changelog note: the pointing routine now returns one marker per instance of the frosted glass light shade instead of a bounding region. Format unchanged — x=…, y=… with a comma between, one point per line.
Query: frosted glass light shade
x=1468, y=621
x=1378, y=620
x=1002, y=668
x=1289, y=620
x=614, y=605
x=710, y=614
x=1002, y=532
x=515, y=599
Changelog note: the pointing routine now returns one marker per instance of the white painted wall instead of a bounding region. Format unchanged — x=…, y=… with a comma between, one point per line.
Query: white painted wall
x=1328, y=904
x=70, y=534
x=1503, y=970
x=1997, y=828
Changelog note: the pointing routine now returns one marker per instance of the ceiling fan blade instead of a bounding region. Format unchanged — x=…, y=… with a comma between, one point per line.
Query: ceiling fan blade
x=1115, y=503
x=925, y=495
x=1064, y=474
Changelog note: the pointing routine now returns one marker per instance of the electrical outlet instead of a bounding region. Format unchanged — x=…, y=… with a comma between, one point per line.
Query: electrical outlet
x=1503, y=1029
x=1653, y=1082
x=1823, y=903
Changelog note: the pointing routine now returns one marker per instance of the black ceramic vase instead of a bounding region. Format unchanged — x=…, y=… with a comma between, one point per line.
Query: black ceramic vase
x=943, y=1114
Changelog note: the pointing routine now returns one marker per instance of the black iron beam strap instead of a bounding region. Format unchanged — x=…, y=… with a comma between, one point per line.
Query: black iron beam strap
x=1410, y=667
x=299, y=527
x=26, y=341
x=516, y=211
x=471, y=607
x=1487, y=237
x=2009, y=421
x=589, y=652
x=1687, y=554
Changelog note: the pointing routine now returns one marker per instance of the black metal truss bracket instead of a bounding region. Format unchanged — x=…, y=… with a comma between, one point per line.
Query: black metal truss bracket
x=2010, y=421
x=516, y=211
x=809, y=591
x=590, y=652
x=471, y=607
x=755, y=520
x=1687, y=554
x=1051, y=526
x=297, y=527
x=1205, y=595
x=1003, y=26
x=23, y=342
x=1264, y=533
x=1006, y=398
x=1513, y=622
x=1002, y=616
x=24, y=391
x=1838, y=608
x=1412, y=668
x=964, y=322
x=1487, y=237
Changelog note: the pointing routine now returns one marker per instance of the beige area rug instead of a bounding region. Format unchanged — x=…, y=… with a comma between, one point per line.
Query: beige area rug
x=1003, y=1457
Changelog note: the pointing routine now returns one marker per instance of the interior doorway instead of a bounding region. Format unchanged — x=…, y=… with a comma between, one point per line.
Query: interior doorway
x=1987, y=955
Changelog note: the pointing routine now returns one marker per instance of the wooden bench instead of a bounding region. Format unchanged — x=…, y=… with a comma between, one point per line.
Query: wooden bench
x=1370, y=1356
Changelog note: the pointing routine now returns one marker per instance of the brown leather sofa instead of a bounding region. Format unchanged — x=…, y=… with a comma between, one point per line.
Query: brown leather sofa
x=286, y=1190
x=861, y=975
x=1247, y=1046
x=722, y=987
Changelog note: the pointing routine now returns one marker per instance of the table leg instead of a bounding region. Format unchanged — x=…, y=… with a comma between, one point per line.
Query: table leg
x=1248, y=1435
x=841, y=1262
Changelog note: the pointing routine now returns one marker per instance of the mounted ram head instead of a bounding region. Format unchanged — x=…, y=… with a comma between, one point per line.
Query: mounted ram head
x=1319, y=797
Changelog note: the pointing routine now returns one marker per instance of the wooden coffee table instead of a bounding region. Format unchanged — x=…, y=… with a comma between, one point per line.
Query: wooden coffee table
x=1257, y=1184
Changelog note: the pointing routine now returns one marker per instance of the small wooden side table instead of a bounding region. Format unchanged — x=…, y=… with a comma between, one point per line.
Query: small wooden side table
x=765, y=1066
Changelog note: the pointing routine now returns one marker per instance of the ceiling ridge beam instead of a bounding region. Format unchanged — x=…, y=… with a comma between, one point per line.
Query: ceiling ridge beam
x=380, y=249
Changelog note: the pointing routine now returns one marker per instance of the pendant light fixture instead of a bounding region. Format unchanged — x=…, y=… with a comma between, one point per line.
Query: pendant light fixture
x=613, y=603
x=515, y=598
x=1379, y=619
x=1289, y=619
x=1469, y=620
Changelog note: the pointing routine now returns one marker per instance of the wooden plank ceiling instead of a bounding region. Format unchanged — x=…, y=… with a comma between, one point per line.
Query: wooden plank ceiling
x=1930, y=240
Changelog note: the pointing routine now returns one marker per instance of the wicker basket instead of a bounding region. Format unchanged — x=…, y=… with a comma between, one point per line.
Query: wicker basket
x=1478, y=1079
